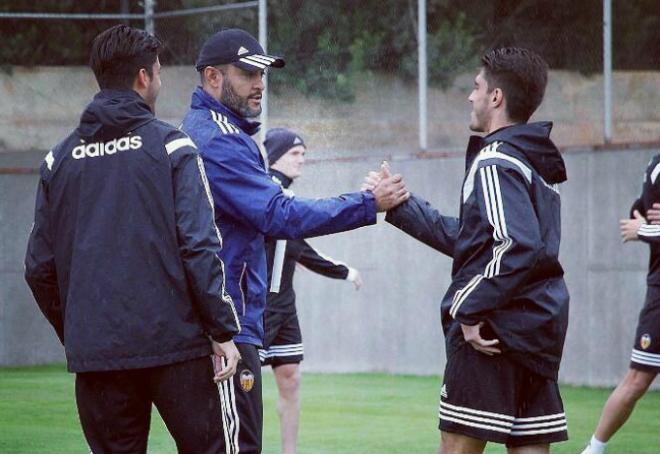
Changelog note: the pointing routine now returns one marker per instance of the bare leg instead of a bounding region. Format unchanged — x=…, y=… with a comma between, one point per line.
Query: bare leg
x=451, y=443
x=287, y=377
x=531, y=449
x=622, y=401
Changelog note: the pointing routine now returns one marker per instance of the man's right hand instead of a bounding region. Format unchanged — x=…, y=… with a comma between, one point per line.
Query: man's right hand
x=472, y=335
x=389, y=190
x=653, y=214
x=225, y=360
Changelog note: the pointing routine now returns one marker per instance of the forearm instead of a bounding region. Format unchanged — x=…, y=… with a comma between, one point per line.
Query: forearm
x=294, y=218
x=418, y=219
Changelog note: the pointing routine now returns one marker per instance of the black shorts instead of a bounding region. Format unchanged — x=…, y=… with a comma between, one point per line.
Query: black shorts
x=492, y=398
x=283, y=340
x=646, y=350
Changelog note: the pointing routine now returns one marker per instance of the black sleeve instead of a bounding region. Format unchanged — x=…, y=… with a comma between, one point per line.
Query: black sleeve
x=40, y=272
x=200, y=243
x=419, y=219
x=649, y=233
x=315, y=261
x=637, y=205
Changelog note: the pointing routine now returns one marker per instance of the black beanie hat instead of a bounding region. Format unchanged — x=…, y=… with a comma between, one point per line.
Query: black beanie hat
x=279, y=141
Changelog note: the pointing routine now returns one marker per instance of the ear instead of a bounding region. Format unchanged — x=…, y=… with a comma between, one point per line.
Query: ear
x=142, y=79
x=213, y=77
x=497, y=97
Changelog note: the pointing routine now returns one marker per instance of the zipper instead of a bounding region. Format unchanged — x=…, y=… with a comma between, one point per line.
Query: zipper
x=240, y=285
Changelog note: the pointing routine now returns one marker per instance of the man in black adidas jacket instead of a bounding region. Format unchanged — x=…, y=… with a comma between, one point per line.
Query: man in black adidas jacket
x=123, y=260
x=505, y=314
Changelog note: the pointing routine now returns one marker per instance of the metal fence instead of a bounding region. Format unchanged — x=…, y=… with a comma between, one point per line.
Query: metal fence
x=596, y=123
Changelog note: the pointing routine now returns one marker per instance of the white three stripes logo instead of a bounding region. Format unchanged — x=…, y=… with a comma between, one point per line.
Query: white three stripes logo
x=223, y=123
x=495, y=212
x=258, y=61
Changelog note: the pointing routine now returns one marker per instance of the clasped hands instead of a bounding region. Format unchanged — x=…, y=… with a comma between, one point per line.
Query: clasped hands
x=388, y=190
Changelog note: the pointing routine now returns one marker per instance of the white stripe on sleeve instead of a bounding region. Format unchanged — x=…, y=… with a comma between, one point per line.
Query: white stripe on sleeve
x=648, y=230
x=495, y=212
x=174, y=145
x=654, y=173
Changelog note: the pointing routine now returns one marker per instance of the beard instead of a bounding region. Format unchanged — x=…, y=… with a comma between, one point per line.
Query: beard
x=236, y=103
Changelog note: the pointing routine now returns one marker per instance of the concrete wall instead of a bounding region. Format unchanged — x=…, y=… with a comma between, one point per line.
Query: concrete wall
x=393, y=323
x=25, y=336
x=41, y=105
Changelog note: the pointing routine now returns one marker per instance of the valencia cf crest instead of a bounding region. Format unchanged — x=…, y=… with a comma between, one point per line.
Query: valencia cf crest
x=645, y=341
x=247, y=380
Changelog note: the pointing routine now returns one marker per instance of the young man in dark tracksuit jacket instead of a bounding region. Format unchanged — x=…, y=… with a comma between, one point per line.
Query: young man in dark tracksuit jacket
x=123, y=260
x=250, y=205
x=283, y=342
x=505, y=313
x=645, y=357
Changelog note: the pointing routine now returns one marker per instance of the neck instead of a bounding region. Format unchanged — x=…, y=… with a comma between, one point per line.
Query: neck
x=498, y=123
x=213, y=93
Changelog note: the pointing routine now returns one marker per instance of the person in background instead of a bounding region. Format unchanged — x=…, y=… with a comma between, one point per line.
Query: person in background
x=283, y=343
x=645, y=356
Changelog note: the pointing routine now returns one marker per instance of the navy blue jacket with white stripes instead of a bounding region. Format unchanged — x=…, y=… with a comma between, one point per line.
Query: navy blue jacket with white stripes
x=504, y=244
x=123, y=258
x=249, y=205
x=650, y=233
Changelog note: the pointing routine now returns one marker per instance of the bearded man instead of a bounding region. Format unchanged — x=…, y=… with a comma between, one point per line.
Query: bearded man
x=249, y=205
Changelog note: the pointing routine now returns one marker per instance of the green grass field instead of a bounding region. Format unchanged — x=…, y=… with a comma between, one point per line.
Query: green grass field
x=351, y=413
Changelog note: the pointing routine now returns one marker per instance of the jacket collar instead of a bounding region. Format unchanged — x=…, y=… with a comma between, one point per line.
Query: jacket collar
x=202, y=100
x=280, y=178
x=531, y=140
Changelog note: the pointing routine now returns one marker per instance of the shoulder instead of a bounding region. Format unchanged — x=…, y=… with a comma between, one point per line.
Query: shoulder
x=170, y=133
x=158, y=136
x=504, y=157
x=653, y=169
x=57, y=154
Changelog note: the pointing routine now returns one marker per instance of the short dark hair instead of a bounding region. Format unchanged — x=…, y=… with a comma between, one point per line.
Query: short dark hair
x=119, y=53
x=521, y=75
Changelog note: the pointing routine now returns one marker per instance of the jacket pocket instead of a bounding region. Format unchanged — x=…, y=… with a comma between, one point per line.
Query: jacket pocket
x=242, y=285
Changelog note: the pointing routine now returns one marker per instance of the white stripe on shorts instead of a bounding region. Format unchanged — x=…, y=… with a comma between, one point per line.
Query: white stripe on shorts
x=281, y=350
x=647, y=359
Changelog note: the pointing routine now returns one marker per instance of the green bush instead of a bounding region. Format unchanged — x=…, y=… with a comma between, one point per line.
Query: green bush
x=328, y=43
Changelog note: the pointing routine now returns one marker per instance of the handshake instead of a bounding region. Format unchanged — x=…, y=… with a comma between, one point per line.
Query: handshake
x=389, y=190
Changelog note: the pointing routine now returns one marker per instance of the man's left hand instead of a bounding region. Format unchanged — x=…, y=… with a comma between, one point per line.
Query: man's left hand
x=225, y=360
x=356, y=278
x=472, y=335
x=629, y=227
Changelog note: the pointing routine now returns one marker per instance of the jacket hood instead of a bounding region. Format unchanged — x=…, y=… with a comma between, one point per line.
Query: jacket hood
x=202, y=100
x=112, y=114
x=533, y=141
